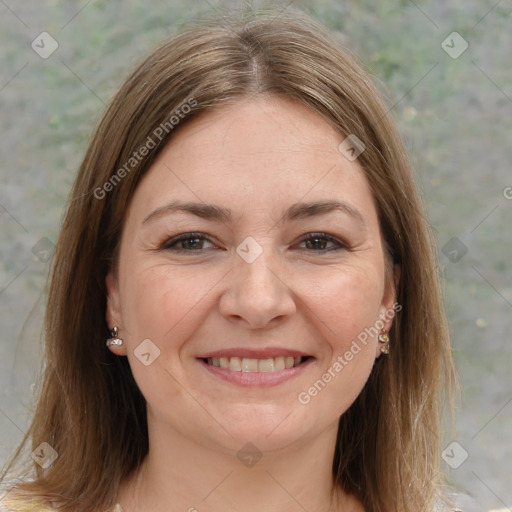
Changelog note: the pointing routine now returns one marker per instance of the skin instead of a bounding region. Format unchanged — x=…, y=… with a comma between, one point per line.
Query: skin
x=256, y=158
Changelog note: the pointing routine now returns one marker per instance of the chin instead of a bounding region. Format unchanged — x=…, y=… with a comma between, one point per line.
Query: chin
x=267, y=428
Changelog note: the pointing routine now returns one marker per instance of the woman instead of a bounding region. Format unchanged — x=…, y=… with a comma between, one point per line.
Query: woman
x=246, y=236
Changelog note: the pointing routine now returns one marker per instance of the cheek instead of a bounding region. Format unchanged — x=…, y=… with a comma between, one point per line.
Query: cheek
x=162, y=303
x=346, y=302
x=343, y=308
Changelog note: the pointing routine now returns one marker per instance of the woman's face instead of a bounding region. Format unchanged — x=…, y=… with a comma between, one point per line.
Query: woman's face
x=251, y=245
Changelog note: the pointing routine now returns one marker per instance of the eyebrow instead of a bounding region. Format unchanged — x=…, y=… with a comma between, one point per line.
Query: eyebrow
x=218, y=213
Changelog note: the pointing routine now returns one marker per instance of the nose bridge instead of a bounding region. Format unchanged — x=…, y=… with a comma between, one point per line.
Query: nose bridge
x=261, y=273
x=258, y=268
x=257, y=291
x=255, y=256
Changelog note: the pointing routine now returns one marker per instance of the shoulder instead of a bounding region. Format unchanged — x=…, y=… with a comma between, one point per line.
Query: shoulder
x=18, y=505
x=8, y=505
x=460, y=502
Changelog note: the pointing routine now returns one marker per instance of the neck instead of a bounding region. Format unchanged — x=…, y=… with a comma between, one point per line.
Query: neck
x=180, y=474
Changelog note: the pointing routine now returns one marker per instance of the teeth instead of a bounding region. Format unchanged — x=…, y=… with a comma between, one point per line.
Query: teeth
x=235, y=364
x=248, y=365
x=265, y=365
x=279, y=364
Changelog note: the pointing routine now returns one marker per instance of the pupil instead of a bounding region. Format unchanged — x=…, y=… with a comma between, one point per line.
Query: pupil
x=317, y=243
x=191, y=242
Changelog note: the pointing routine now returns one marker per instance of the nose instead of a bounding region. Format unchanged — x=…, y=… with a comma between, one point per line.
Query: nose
x=257, y=294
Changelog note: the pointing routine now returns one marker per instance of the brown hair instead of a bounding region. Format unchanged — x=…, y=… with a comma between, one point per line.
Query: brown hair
x=90, y=409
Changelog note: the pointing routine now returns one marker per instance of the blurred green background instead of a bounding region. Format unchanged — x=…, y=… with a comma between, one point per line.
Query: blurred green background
x=454, y=114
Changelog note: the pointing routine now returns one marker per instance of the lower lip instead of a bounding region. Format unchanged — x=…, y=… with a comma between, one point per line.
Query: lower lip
x=256, y=379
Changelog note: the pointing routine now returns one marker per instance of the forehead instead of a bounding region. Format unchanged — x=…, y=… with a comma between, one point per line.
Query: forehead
x=259, y=153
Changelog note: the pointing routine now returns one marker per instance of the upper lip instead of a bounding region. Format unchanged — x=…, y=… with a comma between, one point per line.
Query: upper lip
x=254, y=353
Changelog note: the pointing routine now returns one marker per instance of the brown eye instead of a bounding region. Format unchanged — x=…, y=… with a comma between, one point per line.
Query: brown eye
x=322, y=242
x=187, y=242
x=191, y=243
x=316, y=243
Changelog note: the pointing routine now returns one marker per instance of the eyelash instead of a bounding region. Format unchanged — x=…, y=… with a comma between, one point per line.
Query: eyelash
x=168, y=245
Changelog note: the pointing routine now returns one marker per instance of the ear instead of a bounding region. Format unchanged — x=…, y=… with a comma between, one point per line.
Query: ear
x=389, y=306
x=113, y=314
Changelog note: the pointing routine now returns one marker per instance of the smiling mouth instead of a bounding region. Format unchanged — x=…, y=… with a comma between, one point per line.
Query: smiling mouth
x=249, y=365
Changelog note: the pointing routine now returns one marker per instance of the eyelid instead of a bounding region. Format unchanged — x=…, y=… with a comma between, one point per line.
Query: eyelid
x=168, y=242
x=331, y=238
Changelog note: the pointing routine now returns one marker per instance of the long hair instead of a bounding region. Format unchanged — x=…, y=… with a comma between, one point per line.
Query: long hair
x=90, y=409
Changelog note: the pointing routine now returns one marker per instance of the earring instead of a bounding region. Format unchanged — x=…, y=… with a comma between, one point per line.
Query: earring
x=384, y=341
x=114, y=340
